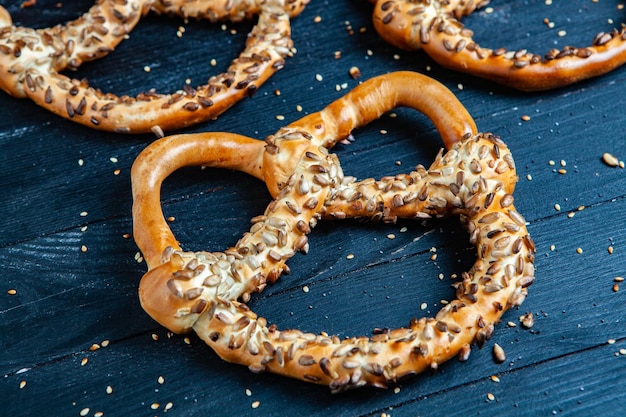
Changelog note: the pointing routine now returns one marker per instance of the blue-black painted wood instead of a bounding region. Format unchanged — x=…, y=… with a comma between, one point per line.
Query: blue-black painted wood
x=571, y=362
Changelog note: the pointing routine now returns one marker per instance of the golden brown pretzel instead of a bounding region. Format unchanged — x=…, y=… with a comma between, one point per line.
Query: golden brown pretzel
x=435, y=27
x=31, y=62
x=206, y=291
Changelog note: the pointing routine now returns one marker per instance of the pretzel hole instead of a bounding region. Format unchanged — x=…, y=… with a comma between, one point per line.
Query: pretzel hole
x=166, y=63
x=359, y=279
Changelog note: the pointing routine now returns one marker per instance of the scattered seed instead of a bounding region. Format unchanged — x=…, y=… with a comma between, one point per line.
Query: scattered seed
x=319, y=77
x=84, y=361
x=161, y=380
x=168, y=406
x=557, y=207
x=84, y=412
x=93, y=347
x=350, y=256
x=12, y=292
x=579, y=250
x=146, y=68
x=391, y=236
x=248, y=392
x=396, y=390
x=109, y=390
x=615, y=287
x=561, y=33
x=155, y=336
x=527, y=320
x=305, y=289
x=611, y=341
x=562, y=171
x=83, y=248
x=256, y=404
x=83, y=214
x=618, y=279
x=155, y=406
x=423, y=306
x=317, y=19
x=525, y=118
x=22, y=384
x=529, y=177
x=494, y=378
x=511, y=324
x=610, y=159
x=610, y=250
x=498, y=353
x=491, y=397
x=80, y=162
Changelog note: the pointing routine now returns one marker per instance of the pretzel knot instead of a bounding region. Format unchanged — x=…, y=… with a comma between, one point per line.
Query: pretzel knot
x=435, y=27
x=31, y=62
x=207, y=291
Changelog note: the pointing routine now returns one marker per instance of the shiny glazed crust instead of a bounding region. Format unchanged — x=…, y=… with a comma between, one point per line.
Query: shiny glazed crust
x=435, y=27
x=31, y=62
x=206, y=292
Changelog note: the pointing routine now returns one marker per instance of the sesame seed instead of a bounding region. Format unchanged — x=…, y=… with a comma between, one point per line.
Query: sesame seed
x=280, y=117
x=83, y=229
x=83, y=214
x=610, y=160
x=557, y=207
x=276, y=92
x=104, y=343
x=84, y=361
x=383, y=132
x=168, y=406
x=611, y=341
x=84, y=411
x=12, y=292
x=525, y=118
x=579, y=250
x=610, y=250
x=489, y=10
x=494, y=378
x=248, y=392
x=83, y=248
x=298, y=107
x=563, y=163
x=491, y=397
x=403, y=229
x=570, y=214
x=423, y=306
x=213, y=62
x=161, y=380
x=305, y=289
x=529, y=177
x=317, y=19
x=618, y=279
x=354, y=72
x=552, y=248
x=155, y=337
x=93, y=347
x=396, y=390
x=369, y=52
x=146, y=68
x=187, y=340
x=396, y=57
x=615, y=287
x=256, y=404
x=80, y=162
x=561, y=33
x=460, y=86
x=562, y=171
x=551, y=162
x=22, y=384
x=319, y=77
x=113, y=159
x=622, y=351
x=98, y=414
x=155, y=406
x=109, y=390
x=350, y=256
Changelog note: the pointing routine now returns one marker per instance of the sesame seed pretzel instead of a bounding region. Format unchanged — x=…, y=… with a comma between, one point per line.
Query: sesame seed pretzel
x=435, y=27
x=31, y=62
x=207, y=291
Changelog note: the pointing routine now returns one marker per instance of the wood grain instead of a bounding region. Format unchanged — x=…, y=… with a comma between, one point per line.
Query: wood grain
x=65, y=216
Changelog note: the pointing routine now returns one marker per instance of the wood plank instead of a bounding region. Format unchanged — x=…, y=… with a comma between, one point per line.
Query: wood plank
x=68, y=299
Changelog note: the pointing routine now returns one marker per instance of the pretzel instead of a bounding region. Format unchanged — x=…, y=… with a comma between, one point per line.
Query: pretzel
x=31, y=62
x=206, y=291
x=434, y=26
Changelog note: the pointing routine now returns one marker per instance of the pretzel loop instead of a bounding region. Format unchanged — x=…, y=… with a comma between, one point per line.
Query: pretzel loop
x=31, y=62
x=435, y=27
x=207, y=292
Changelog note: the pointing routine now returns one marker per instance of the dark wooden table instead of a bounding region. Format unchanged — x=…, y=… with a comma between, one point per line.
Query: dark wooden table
x=70, y=268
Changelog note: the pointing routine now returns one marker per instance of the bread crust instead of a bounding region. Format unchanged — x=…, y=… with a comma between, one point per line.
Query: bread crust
x=31, y=62
x=435, y=27
x=206, y=291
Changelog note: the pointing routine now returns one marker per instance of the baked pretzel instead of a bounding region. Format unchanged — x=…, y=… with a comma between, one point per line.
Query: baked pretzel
x=207, y=291
x=31, y=62
x=435, y=27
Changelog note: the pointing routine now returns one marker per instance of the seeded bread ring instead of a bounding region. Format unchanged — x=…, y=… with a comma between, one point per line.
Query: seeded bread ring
x=31, y=62
x=206, y=292
x=435, y=27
